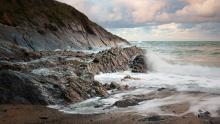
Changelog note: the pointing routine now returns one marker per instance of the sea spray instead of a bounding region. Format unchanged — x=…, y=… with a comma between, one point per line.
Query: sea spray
x=170, y=67
x=157, y=63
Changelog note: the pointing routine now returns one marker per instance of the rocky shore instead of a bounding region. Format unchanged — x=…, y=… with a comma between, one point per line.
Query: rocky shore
x=41, y=53
x=61, y=77
x=48, y=57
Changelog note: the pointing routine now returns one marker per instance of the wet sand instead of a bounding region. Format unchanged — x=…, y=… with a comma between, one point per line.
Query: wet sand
x=29, y=114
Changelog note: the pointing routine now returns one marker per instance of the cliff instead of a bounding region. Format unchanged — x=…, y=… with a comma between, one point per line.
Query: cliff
x=32, y=71
x=49, y=25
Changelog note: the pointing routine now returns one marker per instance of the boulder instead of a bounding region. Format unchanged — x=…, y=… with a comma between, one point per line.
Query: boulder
x=26, y=88
x=19, y=88
x=126, y=103
x=139, y=65
x=204, y=114
x=115, y=85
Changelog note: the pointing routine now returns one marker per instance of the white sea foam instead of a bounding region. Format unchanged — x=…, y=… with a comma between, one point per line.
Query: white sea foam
x=160, y=64
x=162, y=73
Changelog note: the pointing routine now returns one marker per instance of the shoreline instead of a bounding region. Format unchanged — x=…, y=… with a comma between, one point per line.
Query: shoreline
x=30, y=114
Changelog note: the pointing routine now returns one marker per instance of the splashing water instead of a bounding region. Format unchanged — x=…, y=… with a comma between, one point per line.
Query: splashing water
x=184, y=66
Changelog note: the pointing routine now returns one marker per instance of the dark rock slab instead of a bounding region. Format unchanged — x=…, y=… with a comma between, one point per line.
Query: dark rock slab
x=113, y=60
x=126, y=103
x=139, y=64
x=22, y=88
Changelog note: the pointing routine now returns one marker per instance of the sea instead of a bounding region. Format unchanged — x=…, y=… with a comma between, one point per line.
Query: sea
x=186, y=66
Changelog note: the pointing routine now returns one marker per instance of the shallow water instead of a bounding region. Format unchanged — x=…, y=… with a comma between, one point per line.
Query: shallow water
x=183, y=66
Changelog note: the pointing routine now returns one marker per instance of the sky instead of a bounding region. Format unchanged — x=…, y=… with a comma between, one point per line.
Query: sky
x=155, y=20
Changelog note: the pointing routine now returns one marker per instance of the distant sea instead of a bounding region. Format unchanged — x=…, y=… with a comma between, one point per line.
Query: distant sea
x=206, y=53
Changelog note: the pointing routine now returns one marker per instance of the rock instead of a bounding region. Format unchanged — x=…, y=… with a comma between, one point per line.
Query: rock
x=24, y=88
x=161, y=89
x=152, y=118
x=107, y=86
x=8, y=65
x=56, y=27
x=114, y=85
x=126, y=103
x=87, y=77
x=128, y=77
x=113, y=60
x=125, y=87
x=19, y=88
x=203, y=114
x=139, y=64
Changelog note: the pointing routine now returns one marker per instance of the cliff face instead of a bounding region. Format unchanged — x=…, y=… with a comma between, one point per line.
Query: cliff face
x=50, y=25
x=32, y=71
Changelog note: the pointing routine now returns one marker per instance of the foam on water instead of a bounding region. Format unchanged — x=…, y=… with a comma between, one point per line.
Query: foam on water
x=163, y=73
x=166, y=73
x=159, y=64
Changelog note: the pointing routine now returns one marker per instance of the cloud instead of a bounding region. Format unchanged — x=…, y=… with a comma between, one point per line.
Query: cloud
x=200, y=11
x=171, y=32
x=139, y=12
x=155, y=19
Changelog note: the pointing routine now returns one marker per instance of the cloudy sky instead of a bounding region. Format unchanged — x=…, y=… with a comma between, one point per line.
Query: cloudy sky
x=155, y=20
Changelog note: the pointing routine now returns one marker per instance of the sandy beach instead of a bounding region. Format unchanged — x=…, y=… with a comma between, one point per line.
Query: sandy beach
x=27, y=114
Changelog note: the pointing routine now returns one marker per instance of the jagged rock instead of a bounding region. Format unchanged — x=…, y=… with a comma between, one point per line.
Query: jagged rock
x=87, y=76
x=19, y=88
x=139, y=64
x=126, y=103
x=8, y=65
x=23, y=88
x=50, y=25
x=113, y=60
x=107, y=86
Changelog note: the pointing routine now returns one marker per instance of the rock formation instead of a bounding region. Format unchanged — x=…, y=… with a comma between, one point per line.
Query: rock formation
x=113, y=60
x=34, y=71
x=139, y=65
x=48, y=25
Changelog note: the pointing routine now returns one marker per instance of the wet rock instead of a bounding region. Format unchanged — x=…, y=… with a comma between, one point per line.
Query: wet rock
x=19, y=88
x=8, y=65
x=87, y=76
x=26, y=88
x=100, y=91
x=115, y=85
x=113, y=60
x=139, y=64
x=203, y=114
x=125, y=87
x=128, y=77
x=96, y=60
x=126, y=103
x=152, y=118
x=161, y=89
x=107, y=86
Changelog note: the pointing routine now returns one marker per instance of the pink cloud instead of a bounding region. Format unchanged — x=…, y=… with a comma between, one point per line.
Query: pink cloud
x=203, y=8
x=149, y=11
x=142, y=10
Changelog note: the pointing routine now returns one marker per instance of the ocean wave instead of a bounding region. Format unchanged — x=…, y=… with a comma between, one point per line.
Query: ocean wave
x=157, y=63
